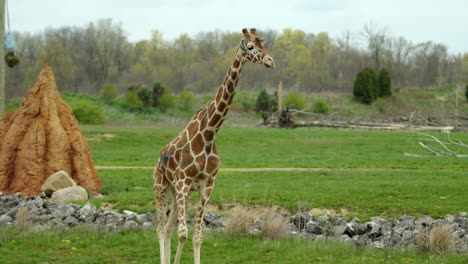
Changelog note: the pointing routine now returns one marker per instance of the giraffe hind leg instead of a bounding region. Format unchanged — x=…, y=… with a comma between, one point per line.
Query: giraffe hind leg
x=161, y=209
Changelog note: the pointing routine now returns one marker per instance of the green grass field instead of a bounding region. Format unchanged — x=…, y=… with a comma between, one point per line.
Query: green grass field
x=241, y=147
x=93, y=246
x=364, y=173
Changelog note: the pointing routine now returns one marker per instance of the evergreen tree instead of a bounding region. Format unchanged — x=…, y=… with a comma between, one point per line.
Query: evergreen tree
x=365, y=86
x=158, y=91
x=385, y=83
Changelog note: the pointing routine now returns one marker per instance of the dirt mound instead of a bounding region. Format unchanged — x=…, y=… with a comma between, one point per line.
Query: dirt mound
x=40, y=138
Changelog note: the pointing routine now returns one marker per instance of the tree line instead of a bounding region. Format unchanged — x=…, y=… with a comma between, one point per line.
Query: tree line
x=85, y=58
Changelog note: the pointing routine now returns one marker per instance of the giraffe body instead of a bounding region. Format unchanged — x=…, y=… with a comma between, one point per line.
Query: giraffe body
x=190, y=161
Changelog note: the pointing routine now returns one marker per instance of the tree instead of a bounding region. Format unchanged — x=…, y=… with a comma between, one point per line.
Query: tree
x=466, y=93
x=145, y=96
x=166, y=101
x=365, y=85
x=131, y=99
x=158, y=91
x=376, y=43
x=186, y=99
x=265, y=105
x=385, y=83
x=108, y=92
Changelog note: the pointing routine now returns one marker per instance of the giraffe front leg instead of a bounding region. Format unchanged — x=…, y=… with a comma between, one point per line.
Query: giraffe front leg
x=169, y=227
x=181, y=196
x=161, y=209
x=205, y=194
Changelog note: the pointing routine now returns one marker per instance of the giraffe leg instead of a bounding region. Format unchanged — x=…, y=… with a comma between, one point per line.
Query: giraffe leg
x=161, y=208
x=170, y=223
x=181, y=196
x=205, y=194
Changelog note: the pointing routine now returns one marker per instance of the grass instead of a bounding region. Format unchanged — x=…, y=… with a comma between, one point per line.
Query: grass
x=304, y=148
x=94, y=246
x=363, y=193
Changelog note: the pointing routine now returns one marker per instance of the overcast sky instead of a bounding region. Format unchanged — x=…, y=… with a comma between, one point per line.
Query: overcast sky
x=441, y=21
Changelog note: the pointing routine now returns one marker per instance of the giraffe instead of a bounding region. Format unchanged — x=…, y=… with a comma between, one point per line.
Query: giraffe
x=190, y=161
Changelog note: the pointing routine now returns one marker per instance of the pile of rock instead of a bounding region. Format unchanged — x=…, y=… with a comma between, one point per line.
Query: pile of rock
x=378, y=232
x=43, y=213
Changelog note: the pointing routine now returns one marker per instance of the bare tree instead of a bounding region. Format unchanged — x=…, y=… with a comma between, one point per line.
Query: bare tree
x=376, y=43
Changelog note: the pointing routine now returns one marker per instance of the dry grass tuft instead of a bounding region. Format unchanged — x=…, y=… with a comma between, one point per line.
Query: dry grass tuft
x=22, y=219
x=275, y=226
x=440, y=239
x=240, y=221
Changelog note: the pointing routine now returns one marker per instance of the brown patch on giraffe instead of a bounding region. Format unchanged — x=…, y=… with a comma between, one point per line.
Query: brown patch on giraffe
x=192, y=170
x=200, y=160
x=230, y=100
x=197, y=144
x=208, y=135
x=171, y=164
x=211, y=108
x=208, y=192
x=234, y=75
x=203, y=121
x=188, y=181
x=221, y=106
x=225, y=96
x=212, y=164
x=179, y=185
x=192, y=129
x=208, y=150
x=236, y=63
x=214, y=120
x=182, y=141
x=230, y=87
x=218, y=95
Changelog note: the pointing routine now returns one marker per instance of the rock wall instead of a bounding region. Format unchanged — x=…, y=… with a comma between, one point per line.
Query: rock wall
x=40, y=138
x=379, y=233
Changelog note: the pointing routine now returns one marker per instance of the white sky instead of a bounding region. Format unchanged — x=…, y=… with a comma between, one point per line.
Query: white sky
x=417, y=20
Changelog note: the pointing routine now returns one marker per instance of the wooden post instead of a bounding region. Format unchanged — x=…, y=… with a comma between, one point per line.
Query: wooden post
x=2, y=57
x=280, y=97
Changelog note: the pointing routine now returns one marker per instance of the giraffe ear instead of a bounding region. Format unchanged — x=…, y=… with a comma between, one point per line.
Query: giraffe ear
x=253, y=31
x=246, y=33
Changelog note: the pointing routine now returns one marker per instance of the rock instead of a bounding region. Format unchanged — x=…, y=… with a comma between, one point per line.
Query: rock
x=57, y=181
x=336, y=231
x=449, y=218
x=323, y=218
x=213, y=220
x=70, y=194
x=5, y=219
x=425, y=221
x=339, y=221
x=313, y=227
x=300, y=219
x=87, y=213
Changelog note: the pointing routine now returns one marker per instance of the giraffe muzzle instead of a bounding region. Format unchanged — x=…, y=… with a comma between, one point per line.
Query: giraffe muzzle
x=268, y=61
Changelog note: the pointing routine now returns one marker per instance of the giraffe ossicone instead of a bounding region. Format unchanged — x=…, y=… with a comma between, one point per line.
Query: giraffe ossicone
x=190, y=161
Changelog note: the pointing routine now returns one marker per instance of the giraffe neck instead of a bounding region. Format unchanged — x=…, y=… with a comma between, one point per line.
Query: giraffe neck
x=219, y=106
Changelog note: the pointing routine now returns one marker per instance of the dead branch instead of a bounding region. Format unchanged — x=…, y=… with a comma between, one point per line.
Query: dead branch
x=446, y=151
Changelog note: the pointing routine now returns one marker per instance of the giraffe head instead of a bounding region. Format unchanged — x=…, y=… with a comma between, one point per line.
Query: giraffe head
x=252, y=49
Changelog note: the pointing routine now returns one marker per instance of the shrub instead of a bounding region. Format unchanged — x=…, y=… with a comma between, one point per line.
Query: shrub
x=295, y=100
x=466, y=92
x=365, y=85
x=274, y=226
x=145, y=96
x=186, y=99
x=321, y=107
x=385, y=83
x=131, y=99
x=440, y=239
x=88, y=114
x=166, y=101
x=158, y=91
x=240, y=222
x=108, y=92
x=265, y=105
